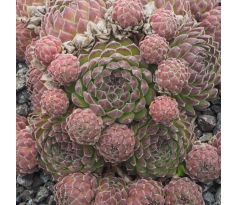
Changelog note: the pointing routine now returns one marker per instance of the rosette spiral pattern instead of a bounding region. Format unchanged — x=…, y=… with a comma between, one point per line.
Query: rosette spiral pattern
x=58, y=154
x=160, y=149
x=67, y=18
x=114, y=83
x=202, y=56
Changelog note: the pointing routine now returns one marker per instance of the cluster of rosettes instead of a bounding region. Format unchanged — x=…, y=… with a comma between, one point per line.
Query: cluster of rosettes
x=115, y=85
x=80, y=188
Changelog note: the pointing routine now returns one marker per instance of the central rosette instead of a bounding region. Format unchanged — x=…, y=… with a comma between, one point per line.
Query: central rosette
x=114, y=83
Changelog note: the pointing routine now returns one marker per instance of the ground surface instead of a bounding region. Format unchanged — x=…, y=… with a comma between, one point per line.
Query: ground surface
x=36, y=189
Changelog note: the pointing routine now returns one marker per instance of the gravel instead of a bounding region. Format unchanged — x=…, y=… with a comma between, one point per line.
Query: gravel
x=206, y=122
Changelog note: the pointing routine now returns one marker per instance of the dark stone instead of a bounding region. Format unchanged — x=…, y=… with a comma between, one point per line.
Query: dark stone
x=25, y=181
x=218, y=124
x=216, y=108
x=51, y=200
x=22, y=109
x=37, y=181
x=27, y=195
x=208, y=111
x=218, y=196
x=21, y=77
x=206, y=137
x=197, y=132
x=23, y=97
x=42, y=194
x=31, y=202
x=208, y=198
x=206, y=122
x=44, y=177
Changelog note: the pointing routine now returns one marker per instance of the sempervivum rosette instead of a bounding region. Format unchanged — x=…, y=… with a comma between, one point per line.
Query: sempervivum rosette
x=67, y=18
x=116, y=143
x=160, y=149
x=84, y=127
x=164, y=110
x=21, y=122
x=195, y=54
x=111, y=190
x=26, y=153
x=46, y=48
x=58, y=154
x=144, y=192
x=183, y=191
x=127, y=13
x=203, y=163
x=179, y=7
x=76, y=189
x=54, y=102
x=216, y=142
x=24, y=37
x=114, y=83
x=164, y=23
x=211, y=21
x=198, y=7
x=24, y=7
x=154, y=49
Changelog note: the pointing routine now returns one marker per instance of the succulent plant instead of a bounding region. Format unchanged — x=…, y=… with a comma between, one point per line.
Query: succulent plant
x=202, y=56
x=114, y=83
x=164, y=23
x=203, y=163
x=58, y=154
x=154, y=49
x=211, y=21
x=24, y=37
x=21, y=122
x=23, y=7
x=84, y=127
x=179, y=7
x=164, y=110
x=66, y=18
x=171, y=76
x=216, y=142
x=76, y=189
x=160, y=149
x=30, y=52
x=111, y=190
x=116, y=143
x=64, y=69
x=54, y=102
x=127, y=13
x=144, y=192
x=26, y=153
x=198, y=7
x=46, y=48
x=183, y=191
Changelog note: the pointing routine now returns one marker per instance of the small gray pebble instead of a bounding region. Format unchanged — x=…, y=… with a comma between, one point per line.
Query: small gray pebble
x=22, y=109
x=22, y=97
x=31, y=202
x=206, y=122
x=45, y=178
x=21, y=78
x=23, y=203
x=216, y=108
x=218, y=124
x=37, y=181
x=51, y=200
x=208, y=198
x=218, y=196
x=198, y=132
x=42, y=194
x=206, y=137
x=208, y=111
x=26, y=180
x=26, y=195
x=19, y=189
